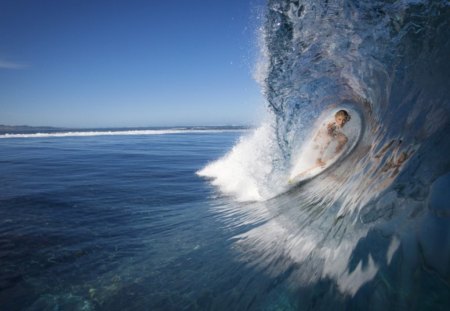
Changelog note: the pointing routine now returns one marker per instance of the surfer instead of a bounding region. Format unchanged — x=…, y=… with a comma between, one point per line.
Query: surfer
x=333, y=132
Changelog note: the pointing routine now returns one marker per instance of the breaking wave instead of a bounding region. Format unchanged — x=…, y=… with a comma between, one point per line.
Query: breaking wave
x=378, y=219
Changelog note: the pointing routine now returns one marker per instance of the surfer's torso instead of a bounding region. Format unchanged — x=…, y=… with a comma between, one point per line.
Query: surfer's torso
x=333, y=129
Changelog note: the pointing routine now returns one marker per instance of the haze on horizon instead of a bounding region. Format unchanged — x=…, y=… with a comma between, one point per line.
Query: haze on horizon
x=124, y=63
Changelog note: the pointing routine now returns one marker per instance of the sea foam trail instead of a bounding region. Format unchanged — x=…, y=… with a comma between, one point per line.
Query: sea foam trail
x=118, y=133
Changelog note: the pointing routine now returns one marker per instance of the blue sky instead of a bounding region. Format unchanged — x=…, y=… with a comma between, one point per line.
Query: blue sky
x=87, y=63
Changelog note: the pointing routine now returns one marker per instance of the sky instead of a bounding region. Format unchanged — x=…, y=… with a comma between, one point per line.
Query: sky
x=129, y=63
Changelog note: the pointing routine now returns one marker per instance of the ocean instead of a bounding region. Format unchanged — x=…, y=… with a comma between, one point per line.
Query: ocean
x=117, y=222
x=206, y=219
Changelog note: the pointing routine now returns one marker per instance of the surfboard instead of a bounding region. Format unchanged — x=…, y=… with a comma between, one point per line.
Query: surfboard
x=304, y=165
x=313, y=171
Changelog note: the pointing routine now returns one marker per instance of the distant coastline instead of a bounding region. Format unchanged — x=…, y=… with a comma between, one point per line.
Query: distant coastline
x=25, y=129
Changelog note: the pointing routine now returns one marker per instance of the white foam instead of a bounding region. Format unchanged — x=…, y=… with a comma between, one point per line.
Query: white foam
x=247, y=172
x=118, y=133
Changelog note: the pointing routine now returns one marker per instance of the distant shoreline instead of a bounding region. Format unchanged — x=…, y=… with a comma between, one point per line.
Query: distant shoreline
x=25, y=129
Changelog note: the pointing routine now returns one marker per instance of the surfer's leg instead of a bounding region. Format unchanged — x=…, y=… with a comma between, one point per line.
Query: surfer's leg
x=342, y=140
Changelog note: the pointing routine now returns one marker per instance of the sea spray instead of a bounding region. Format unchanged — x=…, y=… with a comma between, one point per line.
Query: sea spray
x=250, y=171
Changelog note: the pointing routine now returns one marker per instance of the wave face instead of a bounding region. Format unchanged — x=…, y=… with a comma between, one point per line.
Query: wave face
x=387, y=60
x=368, y=227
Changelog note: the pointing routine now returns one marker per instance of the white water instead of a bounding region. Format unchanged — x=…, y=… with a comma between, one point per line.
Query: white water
x=249, y=171
x=118, y=133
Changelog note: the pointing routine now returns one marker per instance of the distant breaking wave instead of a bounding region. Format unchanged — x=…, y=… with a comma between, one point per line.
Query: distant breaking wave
x=120, y=133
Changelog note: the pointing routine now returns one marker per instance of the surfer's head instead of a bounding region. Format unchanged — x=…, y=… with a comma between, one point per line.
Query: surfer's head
x=342, y=117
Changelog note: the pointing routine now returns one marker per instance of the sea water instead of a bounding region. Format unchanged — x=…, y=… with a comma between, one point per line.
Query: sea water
x=204, y=221
x=125, y=222
x=119, y=223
